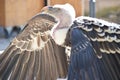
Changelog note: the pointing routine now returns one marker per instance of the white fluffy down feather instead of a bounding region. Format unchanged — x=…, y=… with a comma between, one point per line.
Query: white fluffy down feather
x=60, y=36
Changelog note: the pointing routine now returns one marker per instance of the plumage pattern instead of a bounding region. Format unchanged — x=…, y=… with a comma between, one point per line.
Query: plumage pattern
x=102, y=34
x=33, y=55
x=94, y=50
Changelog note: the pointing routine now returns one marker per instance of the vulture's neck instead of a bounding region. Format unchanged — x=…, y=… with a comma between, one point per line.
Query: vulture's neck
x=60, y=36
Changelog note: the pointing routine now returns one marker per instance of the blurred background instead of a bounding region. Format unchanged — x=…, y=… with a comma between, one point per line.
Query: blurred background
x=105, y=9
x=14, y=14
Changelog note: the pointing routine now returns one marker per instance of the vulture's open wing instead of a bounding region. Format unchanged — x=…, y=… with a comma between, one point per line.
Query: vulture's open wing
x=90, y=37
x=104, y=36
x=33, y=55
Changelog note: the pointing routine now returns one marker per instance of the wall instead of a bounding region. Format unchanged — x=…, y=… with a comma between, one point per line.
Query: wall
x=18, y=12
x=76, y=3
x=2, y=12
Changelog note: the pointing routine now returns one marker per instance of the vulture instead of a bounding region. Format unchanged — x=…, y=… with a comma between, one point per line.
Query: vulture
x=33, y=54
x=39, y=51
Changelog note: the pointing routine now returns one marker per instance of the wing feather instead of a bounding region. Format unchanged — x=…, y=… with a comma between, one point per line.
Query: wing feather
x=29, y=74
x=24, y=66
x=102, y=33
x=38, y=75
x=102, y=37
x=6, y=58
x=32, y=55
x=62, y=58
x=36, y=66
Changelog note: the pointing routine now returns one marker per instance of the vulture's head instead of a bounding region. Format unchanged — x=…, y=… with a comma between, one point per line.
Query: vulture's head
x=64, y=14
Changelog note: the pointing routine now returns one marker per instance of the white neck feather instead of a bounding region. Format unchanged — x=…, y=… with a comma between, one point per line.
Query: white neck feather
x=60, y=36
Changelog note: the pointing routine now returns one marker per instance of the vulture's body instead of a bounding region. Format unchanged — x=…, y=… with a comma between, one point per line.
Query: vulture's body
x=38, y=52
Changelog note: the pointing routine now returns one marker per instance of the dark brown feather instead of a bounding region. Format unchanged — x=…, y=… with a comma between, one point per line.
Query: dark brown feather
x=33, y=54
